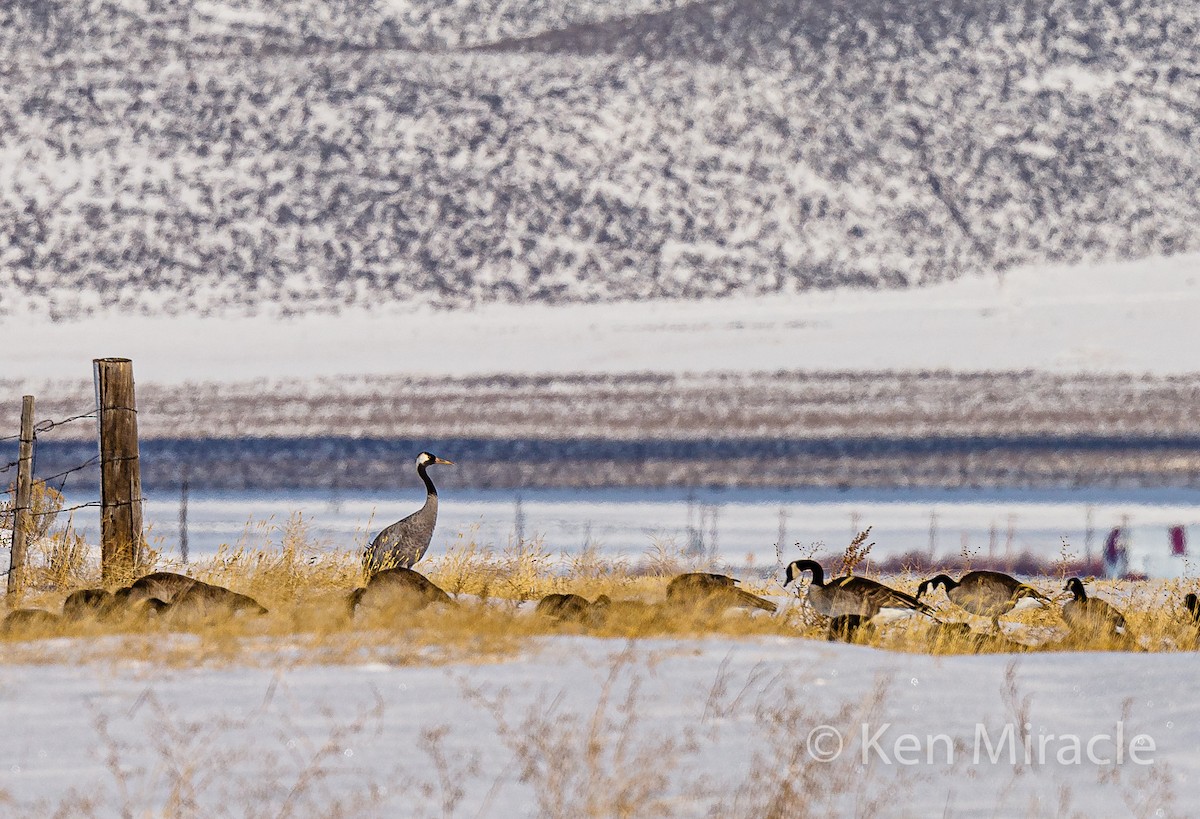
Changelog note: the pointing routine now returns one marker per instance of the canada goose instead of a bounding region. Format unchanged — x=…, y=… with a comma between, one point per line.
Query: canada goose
x=22, y=620
x=205, y=600
x=163, y=585
x=1092, y=617
x=564, y=607
x=844, y=627
x=397, y=589
x=179, y=594
x=87, y=603
x=1192, y=604
x=606, y=606
x=150, y=606
x=850, y=594
x=976, y=641
x=987, y=594
x=713, y=591
x=405, y=542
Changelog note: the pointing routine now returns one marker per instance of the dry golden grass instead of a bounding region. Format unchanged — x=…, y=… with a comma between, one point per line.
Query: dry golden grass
x=305, y=587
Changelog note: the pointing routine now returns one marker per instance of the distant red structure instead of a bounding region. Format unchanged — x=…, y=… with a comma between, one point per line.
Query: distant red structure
x=1178, y=535
x=1116, y=557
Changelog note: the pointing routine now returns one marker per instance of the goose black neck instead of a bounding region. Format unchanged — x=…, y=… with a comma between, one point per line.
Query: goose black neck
x=429, y=487
x=818, y=574
x=945, y=580
x=1076, y=587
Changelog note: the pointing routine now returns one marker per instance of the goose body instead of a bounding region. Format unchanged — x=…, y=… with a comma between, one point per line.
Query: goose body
x=86, y=604
x=163, y=585
x=405, y=542
x=206, y=600
x=605, y=606
x=178, y=595
x=20, y=620
x=1092, y=617
x=985, y=593
x=844, y=627
x=398, y=589
x=713, y=591
x=850, y=594
x=564, y=607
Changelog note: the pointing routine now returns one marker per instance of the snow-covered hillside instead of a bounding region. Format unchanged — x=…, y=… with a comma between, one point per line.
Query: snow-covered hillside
x=307, y=156
x=1135, y=317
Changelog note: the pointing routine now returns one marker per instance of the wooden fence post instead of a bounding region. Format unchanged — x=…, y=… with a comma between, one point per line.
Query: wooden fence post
x=121, y=543
x=22, y=504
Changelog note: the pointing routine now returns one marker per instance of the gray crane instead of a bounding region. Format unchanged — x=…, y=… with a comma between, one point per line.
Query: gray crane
x=405, y=542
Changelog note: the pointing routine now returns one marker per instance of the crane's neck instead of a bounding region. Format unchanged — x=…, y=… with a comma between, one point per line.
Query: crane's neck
x=429, y=487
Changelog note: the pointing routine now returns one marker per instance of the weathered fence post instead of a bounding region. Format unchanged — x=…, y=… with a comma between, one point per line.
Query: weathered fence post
x=22, y=504
x=120, y=473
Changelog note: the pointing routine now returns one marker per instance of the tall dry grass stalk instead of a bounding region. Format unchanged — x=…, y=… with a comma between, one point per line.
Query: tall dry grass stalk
x=856, y=553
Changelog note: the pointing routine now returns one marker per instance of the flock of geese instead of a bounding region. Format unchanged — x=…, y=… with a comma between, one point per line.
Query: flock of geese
x=849, y=602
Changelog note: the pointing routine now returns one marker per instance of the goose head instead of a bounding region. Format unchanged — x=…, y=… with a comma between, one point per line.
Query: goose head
x=942, y=580
x=1192, y=604
x=1075, y=587
x=798, y=567
x=429, y=459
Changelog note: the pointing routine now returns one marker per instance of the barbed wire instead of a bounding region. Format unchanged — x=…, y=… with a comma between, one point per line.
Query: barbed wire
x=70, y=508
x=67, y=472
x=88, y=505
x=47, y=425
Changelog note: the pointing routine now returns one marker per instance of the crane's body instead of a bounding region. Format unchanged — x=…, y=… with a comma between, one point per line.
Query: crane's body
x=405, y=542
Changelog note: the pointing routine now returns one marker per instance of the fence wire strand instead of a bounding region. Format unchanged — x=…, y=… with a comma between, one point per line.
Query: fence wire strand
x=47, y=425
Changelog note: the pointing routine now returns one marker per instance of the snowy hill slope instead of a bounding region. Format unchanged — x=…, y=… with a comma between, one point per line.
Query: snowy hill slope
x=226, y=155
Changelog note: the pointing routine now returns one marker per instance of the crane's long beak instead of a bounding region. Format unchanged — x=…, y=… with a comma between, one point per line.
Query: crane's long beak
x=438, y=460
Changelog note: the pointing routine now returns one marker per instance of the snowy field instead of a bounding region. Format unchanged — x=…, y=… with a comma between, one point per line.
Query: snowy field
x=590, y=727
x=1135, y=316
x=739, y=527
x=713, y=727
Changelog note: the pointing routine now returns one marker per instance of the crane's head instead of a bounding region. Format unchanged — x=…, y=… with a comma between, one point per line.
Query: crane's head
x=428, y=459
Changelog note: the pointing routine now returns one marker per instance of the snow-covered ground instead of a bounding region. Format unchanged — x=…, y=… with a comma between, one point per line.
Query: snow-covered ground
x=712, y=723
x=1138, y=316
x=690, y=728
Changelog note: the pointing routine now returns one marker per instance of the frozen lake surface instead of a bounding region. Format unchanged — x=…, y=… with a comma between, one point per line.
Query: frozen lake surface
x=740, y=527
